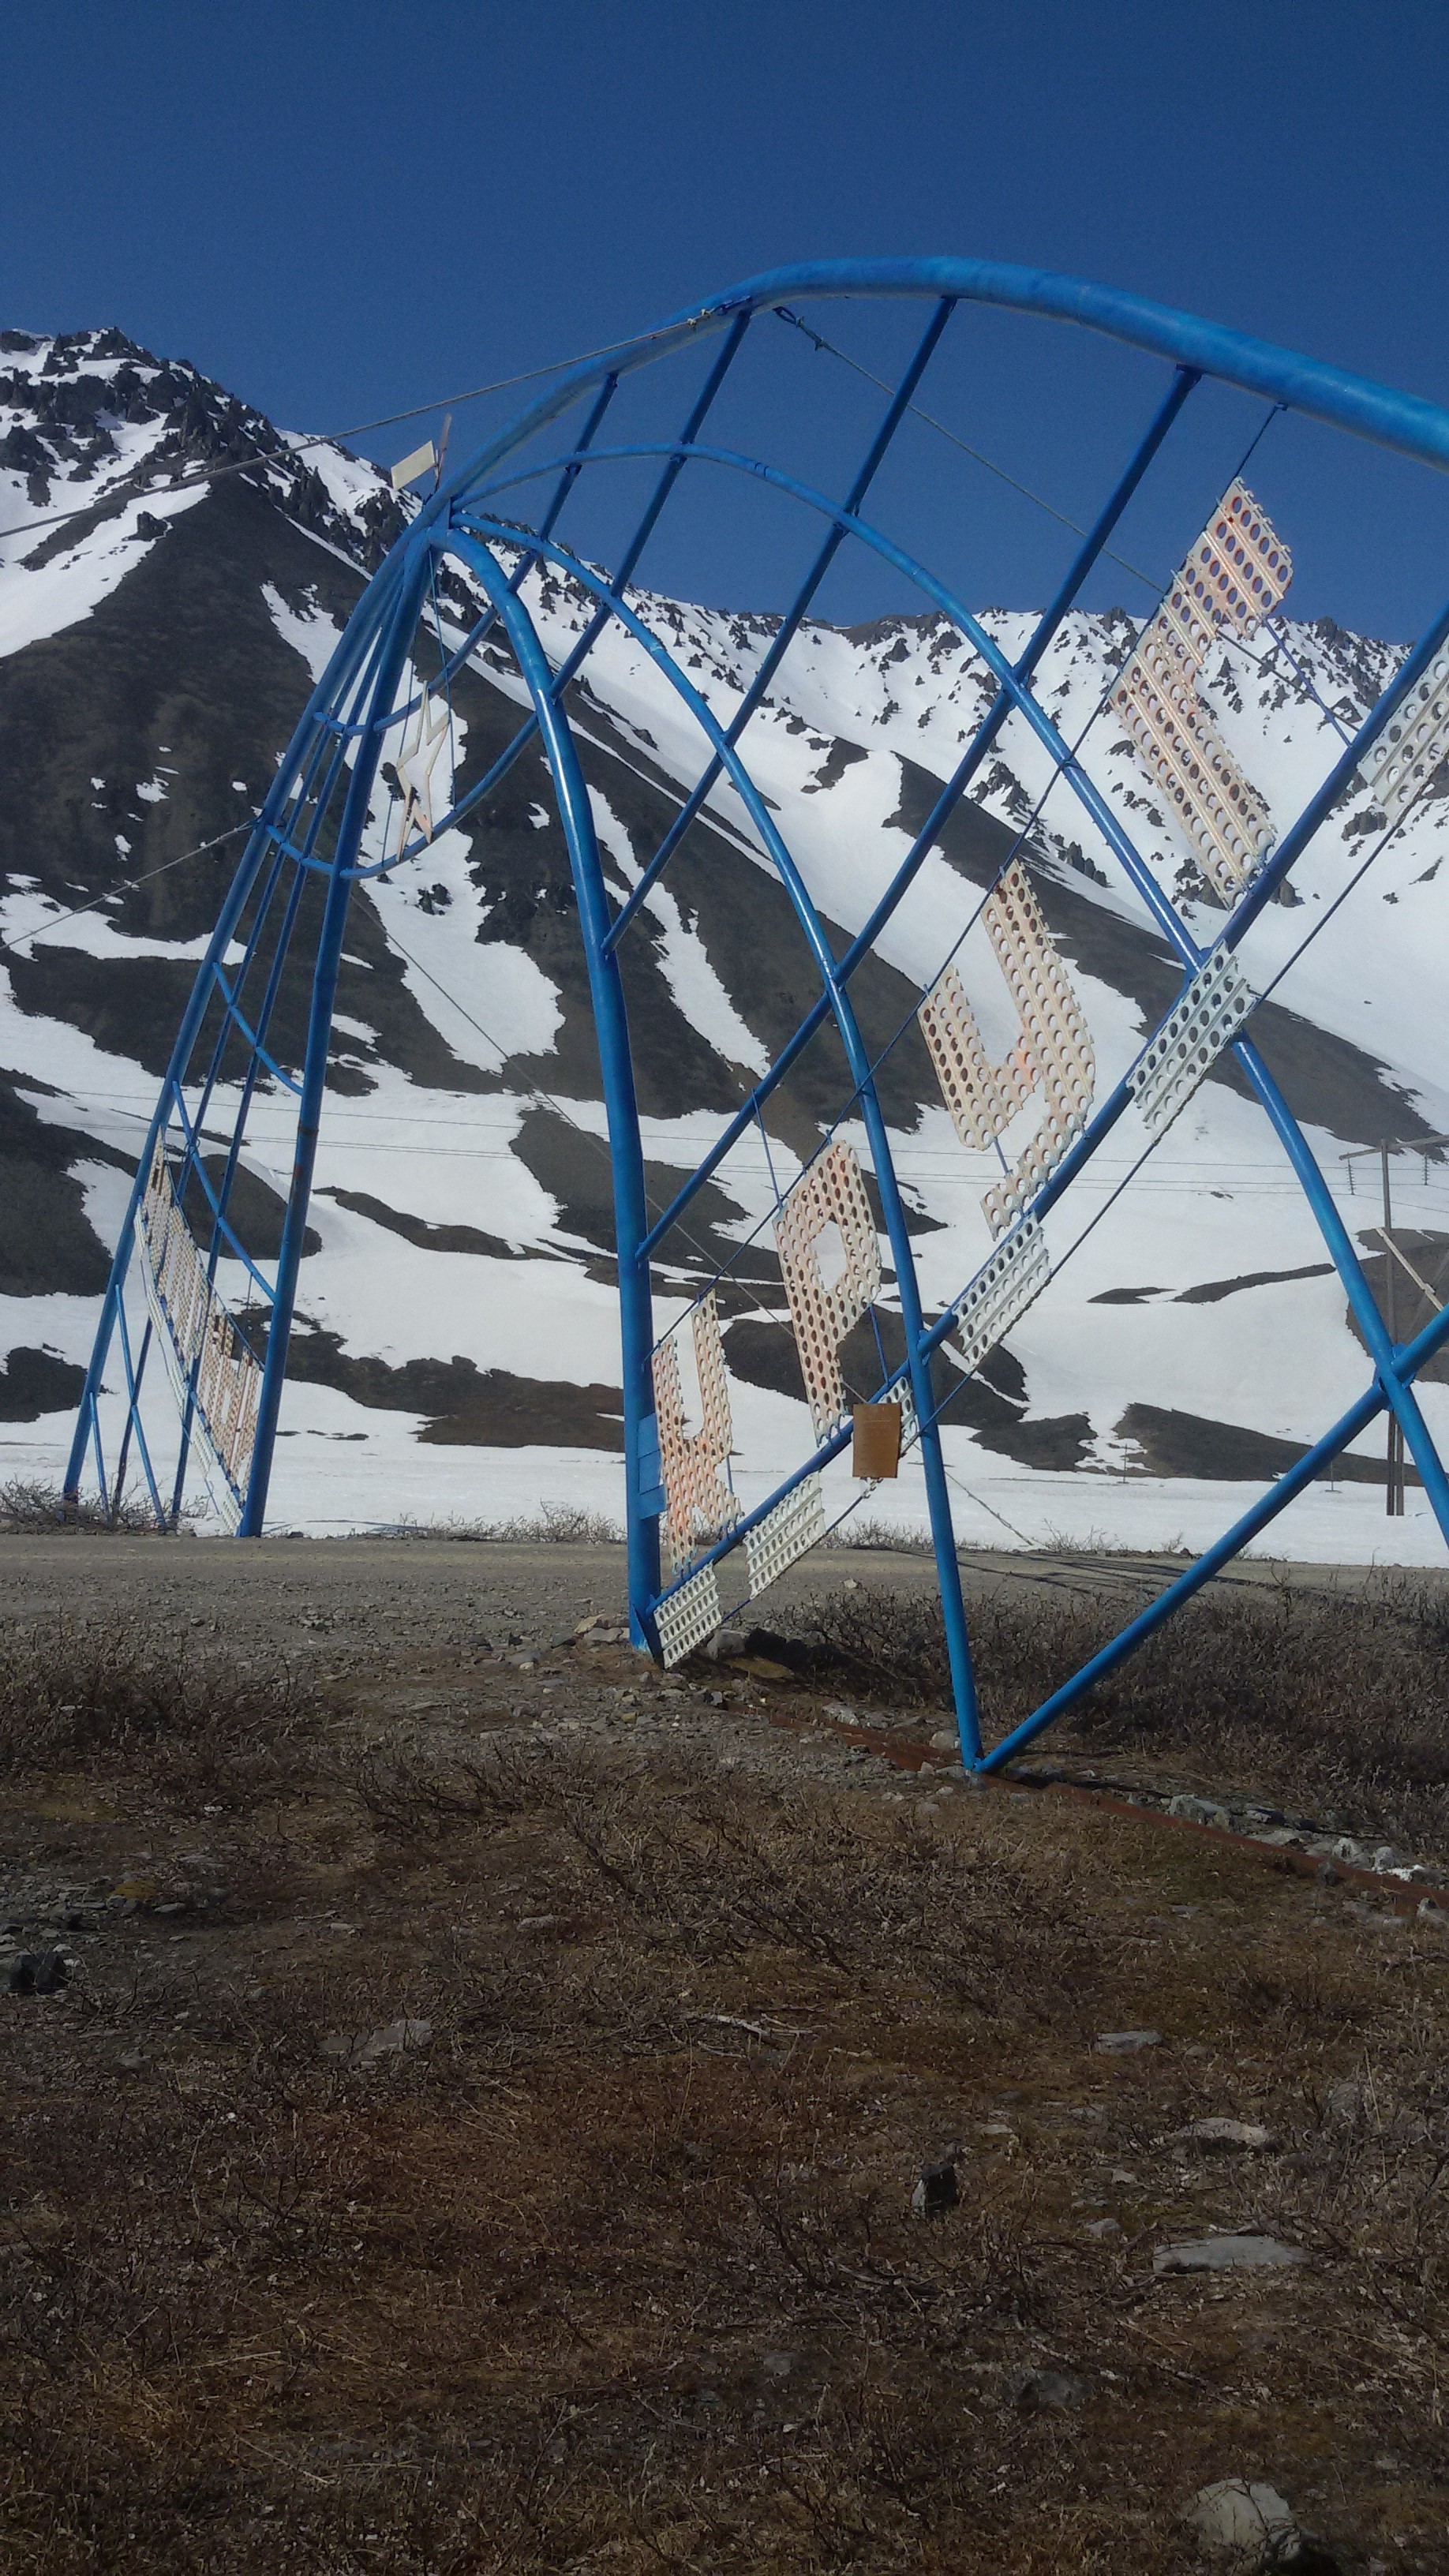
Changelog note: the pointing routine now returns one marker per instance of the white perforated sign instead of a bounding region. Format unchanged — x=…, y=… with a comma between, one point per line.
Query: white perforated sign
x=1001, y=1292
x=1188, y=1044
x=1234, y=575
x=1413, y=742
x=699, y=1506
x=206, y=1357
x=794, y=1526
x=689, y=1616
x=1053, y=1054
x=827, y=1211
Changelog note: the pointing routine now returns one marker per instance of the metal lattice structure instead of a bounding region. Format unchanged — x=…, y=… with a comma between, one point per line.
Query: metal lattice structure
x=370, y=781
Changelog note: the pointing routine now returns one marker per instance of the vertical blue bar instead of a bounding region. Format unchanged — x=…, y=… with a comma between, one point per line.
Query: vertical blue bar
x=626, y=1154
x=392, y=654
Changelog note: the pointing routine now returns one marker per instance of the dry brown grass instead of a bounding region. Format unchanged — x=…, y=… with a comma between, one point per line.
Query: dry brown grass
x=125, y=1696
x=1340, y=1700
x=617, y=2271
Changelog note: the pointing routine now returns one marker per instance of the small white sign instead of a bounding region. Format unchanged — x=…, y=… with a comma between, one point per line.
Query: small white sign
x=410, y=469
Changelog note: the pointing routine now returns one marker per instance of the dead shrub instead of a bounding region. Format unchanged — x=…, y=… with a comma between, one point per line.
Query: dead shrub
x=409, y=1795
x=1337, y=1696
x=73, y=1697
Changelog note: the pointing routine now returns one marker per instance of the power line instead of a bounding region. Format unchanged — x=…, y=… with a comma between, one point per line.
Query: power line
x=123, y=885
x=1150, y=580
x=335, y=437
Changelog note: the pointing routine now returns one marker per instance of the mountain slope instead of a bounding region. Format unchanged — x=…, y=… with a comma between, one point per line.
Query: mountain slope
x=457, y=1327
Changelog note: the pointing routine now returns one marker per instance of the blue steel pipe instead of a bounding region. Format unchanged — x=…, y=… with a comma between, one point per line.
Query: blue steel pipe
x=937, y=1495
x=612, y=1030
x=1404, y=422
x=784, y=634
x=960, y=779
x=1276, y=1499
x=348, y=653
x=1163, y=911
x=402, y=611
x=678, y=457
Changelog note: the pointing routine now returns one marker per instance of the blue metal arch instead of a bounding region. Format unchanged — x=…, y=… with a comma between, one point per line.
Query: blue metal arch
x=354, y=706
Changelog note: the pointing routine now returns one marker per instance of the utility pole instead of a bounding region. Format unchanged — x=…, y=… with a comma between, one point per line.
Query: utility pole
x=1395, y=1259
x=1394, y=1492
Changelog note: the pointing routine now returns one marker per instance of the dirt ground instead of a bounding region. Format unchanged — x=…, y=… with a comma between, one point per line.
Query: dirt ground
x=480, y=2126
x=324, y=1601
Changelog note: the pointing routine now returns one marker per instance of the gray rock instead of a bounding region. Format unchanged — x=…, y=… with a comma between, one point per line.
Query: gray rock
x=1126, y=2043
x=38, y=1972
x=1385, y=1857
x=1199, y=1811
x=936, y=2191
x=1344, y=2106
x=1102, y=2229
x=1227, y=2254
x=1030, y=2390
x=363, y=2048
x=1224, y=2134
x=1241, y=2516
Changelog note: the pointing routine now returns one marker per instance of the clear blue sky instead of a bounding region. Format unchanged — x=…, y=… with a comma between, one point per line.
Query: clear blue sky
x=341, y=206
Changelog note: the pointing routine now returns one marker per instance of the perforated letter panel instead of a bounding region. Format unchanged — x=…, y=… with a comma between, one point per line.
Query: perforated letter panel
x=1186, y=1047
x=1218, y=809
x=1001, y=1293
x=1234, y=576
x=1054, y=1051
x=982, y=1097
x=1412, y=743
x=789, y=1531
x=699, y=1508
x=832, y=1192
x=205, y=1355
x=689, y=1616
x=1056, y=1043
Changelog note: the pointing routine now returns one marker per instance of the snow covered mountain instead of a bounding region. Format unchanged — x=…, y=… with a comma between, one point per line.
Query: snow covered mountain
x=457, y=1346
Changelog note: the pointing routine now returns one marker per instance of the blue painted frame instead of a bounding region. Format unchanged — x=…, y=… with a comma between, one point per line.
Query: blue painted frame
x=353, y=708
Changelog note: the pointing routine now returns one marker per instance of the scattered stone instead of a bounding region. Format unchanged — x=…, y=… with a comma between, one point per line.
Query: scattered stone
x=1224, y=2134
x=1101, y=2229
x=946, y=1740
x=1327, y=1875
x=936, y=2191
x=1227, y=2254
x=1030, y=2390
x=1246, y=2518
x=1428, y=1911
x=1344, y=2105
x=1126, y=2043
x=1199, y=1811
x=363, y=2048
x=728, y=1641
x=38, y=1972
x=777, y=2365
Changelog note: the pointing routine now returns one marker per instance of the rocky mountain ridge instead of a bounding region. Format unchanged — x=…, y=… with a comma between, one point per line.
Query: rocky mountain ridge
x=457, y=1309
